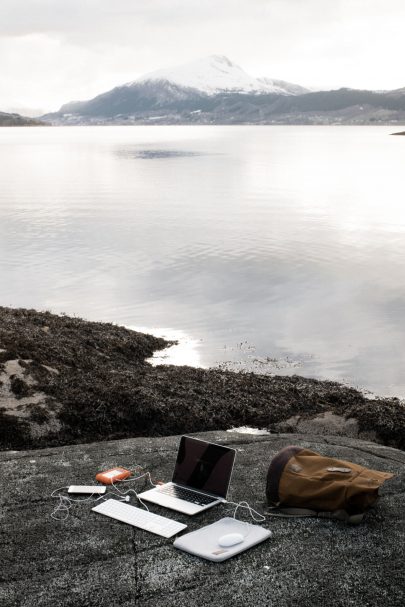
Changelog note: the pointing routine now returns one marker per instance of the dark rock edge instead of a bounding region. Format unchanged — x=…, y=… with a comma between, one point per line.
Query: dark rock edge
x=101, y=388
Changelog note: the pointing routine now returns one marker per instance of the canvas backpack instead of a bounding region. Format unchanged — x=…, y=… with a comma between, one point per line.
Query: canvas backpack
x=301, y=482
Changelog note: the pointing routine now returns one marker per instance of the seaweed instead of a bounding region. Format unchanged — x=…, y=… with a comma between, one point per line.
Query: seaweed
x=97, y=382
x=14, y=432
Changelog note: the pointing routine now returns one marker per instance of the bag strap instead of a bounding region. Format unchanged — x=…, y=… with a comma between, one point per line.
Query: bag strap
x=290, y=512
x=340, y=515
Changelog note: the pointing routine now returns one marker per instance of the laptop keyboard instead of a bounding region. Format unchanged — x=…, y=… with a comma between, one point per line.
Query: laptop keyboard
x=189, y=496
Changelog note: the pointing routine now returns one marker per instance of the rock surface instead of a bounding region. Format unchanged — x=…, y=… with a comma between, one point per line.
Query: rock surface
x=89, y=560
x=65, y=380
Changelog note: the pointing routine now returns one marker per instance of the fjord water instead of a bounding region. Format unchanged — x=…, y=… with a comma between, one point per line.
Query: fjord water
x=278, y=249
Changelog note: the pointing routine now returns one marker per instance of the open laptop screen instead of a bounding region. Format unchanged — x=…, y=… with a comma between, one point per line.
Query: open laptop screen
x=203, y=466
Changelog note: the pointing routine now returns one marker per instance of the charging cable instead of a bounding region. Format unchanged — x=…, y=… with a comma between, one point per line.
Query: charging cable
x=131, y=480
x=254, y=514
x=61, y=512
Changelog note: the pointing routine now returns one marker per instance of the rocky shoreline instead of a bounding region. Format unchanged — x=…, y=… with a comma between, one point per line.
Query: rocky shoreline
x=65, y=380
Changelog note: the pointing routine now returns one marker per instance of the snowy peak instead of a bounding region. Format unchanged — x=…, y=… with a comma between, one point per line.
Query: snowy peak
x=281, y=87
x=217, y=74
x=210, y=75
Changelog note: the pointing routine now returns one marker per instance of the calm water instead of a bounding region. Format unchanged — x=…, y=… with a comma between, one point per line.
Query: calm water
x=279, y=249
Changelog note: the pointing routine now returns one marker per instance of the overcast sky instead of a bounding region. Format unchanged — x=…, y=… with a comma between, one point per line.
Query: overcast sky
x=54, y=51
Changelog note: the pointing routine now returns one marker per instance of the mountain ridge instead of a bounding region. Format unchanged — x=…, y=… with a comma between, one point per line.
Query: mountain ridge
x=12, y=119
x=217, y=74
x=216, y=91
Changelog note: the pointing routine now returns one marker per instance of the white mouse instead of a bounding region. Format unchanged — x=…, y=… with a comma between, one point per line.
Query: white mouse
x=230, y=539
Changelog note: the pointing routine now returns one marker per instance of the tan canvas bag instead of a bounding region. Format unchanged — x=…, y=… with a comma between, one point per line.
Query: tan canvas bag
x=301, y=482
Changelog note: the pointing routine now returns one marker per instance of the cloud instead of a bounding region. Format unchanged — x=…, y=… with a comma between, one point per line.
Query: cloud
x=53, y=51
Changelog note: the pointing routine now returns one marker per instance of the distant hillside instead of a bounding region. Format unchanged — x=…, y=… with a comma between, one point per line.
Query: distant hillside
x=162, y=102
x=17, y=120
x=213, y=90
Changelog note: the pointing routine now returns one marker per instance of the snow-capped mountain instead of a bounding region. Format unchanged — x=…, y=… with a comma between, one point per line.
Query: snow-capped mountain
x=281, y=87
x=216, y=91
x=217, y=74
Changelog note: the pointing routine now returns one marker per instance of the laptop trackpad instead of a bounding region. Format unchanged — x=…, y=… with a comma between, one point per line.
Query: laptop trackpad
x=157, y=497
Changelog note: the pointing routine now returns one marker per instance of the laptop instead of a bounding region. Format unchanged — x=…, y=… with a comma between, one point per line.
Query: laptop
x=200, y=479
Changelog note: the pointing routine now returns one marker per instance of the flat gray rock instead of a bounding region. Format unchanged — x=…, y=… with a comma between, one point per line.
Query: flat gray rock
x=90, y=560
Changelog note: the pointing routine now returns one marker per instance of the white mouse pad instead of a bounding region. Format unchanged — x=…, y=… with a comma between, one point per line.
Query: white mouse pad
x=205, y=541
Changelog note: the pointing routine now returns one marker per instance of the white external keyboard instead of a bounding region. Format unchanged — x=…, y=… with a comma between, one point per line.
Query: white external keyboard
x=137, y=517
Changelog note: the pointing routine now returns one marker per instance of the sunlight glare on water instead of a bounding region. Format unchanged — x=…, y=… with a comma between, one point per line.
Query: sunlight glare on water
x=273, y=249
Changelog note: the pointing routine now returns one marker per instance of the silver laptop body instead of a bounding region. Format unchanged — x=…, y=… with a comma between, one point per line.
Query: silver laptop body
x=201, y=477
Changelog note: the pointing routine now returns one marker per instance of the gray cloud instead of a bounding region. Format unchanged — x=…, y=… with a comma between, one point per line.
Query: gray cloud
x=53, y=51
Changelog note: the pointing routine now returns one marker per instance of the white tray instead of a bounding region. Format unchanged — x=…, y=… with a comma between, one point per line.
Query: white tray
x=204, y=541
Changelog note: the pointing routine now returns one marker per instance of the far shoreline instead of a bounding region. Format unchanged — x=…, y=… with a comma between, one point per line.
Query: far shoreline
x=199, y=125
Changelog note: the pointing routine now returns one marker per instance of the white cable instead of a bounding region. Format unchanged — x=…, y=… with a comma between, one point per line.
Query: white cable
x=137, y=478
x=66, y=502
x=252, y=512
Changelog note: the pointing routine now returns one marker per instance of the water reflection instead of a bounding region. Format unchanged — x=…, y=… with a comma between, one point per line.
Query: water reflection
x=156, y=154
x=287, y=239
x=184, y=352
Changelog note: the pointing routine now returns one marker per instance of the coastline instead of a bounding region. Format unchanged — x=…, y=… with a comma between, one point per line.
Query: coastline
x=69, y=381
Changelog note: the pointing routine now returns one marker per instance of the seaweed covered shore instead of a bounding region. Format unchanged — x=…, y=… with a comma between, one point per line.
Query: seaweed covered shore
x=65, y=380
